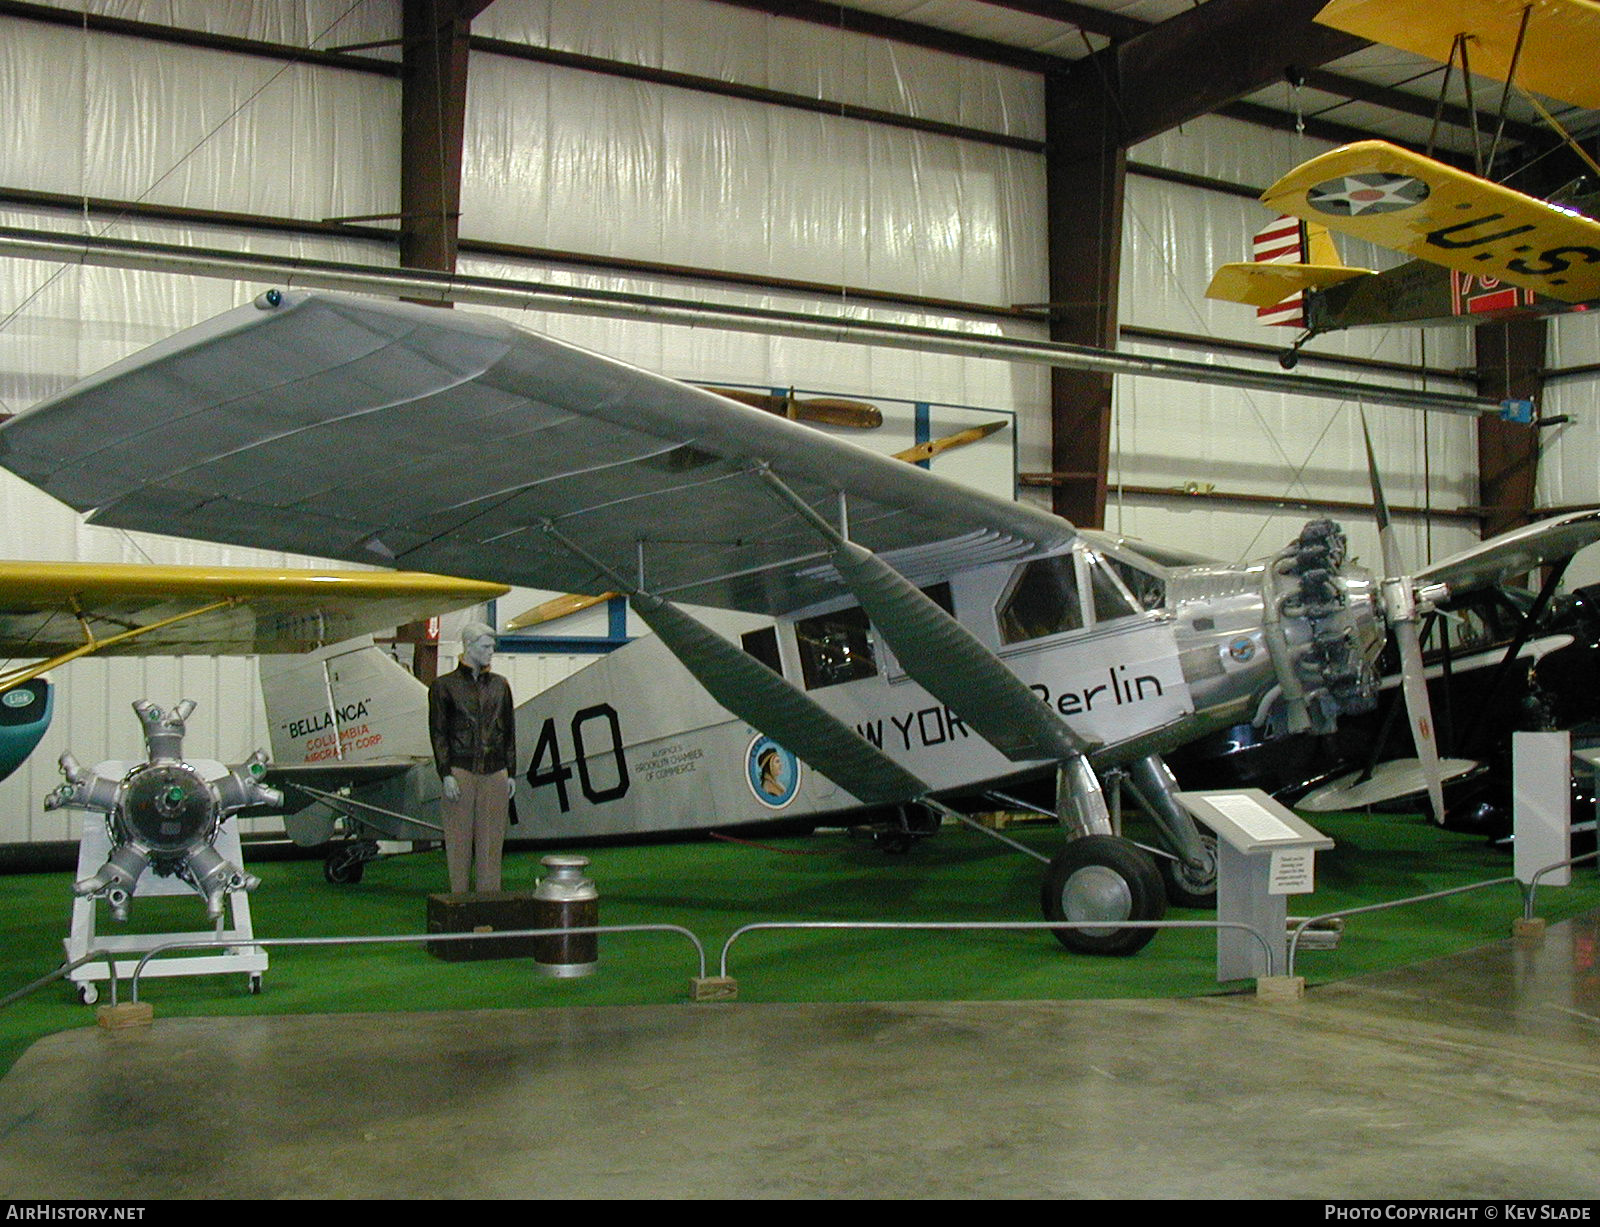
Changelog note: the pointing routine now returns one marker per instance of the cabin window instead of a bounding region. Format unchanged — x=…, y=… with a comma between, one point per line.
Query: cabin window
x=763, y=645
x=1043, y=600
x=835, y=648
x=1111, y=599
x=1149, y=591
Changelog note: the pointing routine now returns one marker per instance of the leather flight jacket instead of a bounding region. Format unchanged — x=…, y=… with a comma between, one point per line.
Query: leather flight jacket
x=472, y=722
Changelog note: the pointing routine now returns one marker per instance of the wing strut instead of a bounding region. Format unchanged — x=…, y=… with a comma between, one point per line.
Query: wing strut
x=762, y=698
x=948, y=662
x=16, y=677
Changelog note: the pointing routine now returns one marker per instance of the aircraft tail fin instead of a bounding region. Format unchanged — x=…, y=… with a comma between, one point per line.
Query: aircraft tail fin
x=1320, y=247
x=1290, y=257
x=347, y=703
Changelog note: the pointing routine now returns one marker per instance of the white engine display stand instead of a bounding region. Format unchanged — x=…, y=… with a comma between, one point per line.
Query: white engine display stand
x=94, y=846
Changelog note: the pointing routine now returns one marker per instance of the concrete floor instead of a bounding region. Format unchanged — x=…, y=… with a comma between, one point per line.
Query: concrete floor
x=1471, y=1077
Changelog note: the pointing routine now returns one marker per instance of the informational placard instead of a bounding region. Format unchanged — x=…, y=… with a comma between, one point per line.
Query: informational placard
x=1254, y=819
x=1292, y=871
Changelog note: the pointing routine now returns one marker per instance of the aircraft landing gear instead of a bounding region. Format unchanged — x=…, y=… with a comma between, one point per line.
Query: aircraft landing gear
x=1103, y=877
x=899, y=831
x=1187, y=886
x=346, y=862
x=1290, y=358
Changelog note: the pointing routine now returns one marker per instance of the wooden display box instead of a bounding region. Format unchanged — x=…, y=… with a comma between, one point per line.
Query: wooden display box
x=488, y=911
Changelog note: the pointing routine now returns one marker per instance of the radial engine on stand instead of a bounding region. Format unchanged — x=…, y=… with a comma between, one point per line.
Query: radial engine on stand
x=164, y=814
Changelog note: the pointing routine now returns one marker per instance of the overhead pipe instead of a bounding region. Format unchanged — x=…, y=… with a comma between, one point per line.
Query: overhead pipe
x=416, y=284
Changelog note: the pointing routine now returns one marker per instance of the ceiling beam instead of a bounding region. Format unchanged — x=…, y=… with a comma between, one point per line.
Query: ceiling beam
x=1197, y=62
x=841, y=17
x=1170, y=73
x=1117, y=26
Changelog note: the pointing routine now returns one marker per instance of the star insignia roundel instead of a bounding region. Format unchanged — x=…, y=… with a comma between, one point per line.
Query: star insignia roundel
x=1353, y=195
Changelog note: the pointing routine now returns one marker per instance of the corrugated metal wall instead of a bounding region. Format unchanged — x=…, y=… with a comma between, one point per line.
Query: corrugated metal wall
x=560, y=158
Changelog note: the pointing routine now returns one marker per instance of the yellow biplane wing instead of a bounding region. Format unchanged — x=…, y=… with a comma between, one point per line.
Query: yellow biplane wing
x=1259, y=283
x=53, y=612
x=1559, y=49
x=1376, y=191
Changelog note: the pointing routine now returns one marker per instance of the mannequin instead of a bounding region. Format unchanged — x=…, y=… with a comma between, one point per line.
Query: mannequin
x=472, y=723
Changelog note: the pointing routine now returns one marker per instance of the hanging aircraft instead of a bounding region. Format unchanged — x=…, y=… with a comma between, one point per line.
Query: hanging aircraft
x=905, y=640
x=1481, y=250
x=55, y=612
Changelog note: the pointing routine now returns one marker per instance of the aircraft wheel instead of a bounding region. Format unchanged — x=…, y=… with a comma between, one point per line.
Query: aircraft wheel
x=1102, y=877
x=88, y=994
x=343, y=869
x=1288, y=359
x=1188, y=887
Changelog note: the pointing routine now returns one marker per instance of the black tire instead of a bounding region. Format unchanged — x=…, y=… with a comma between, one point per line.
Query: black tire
x=342, y=869
x=1103, y=877
x=1184, y=887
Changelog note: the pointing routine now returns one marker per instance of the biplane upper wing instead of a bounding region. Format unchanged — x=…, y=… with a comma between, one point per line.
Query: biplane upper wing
x=1513, y=553
x=388, y=433
x=1401, y=200
x=59, y=610
x=1560, y=47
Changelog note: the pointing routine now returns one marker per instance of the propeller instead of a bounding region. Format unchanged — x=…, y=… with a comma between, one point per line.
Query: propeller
x=825, y=410
x=1401, y=611
x=571, y=603
x=557, y=607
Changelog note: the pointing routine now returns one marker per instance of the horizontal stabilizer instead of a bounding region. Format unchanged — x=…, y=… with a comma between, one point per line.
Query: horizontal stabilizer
x=1260, y=284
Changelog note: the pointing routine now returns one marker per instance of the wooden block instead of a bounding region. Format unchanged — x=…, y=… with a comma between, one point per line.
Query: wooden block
x=1278, y=989
x=1528, y=927
x=125, y=1014
x=713, y=988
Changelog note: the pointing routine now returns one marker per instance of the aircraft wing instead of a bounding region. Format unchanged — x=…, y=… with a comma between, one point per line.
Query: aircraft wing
x=1401, y=200
x=55, y=609
x=384, y=432
x=1513, y=553
x=1261, y=284
x=1559, y=50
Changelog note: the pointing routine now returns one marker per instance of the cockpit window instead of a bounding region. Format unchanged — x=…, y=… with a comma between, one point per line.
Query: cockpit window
x=1150, y=591
x=835, y=648
x=1111, y=600
x=1043, y=600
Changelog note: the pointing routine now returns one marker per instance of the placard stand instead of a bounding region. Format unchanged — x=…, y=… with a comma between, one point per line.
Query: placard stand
x=1265, y=853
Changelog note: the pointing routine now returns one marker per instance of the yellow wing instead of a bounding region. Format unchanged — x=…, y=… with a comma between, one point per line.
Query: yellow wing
x=64, y=610
x=1404, y=201
x=1260, y=284
x=1559, y=51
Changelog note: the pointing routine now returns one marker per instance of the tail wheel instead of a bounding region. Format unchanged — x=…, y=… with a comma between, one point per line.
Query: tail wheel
x=1102, y=877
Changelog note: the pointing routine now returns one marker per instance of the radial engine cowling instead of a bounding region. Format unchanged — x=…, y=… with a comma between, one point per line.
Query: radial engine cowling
x=164, y=814
x=1323, y=630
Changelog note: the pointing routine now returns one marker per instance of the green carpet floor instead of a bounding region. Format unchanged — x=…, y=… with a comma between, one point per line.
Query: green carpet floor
x=712, y=888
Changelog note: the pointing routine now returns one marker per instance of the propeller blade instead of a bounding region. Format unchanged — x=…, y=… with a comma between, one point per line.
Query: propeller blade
x=1400, y=606
x=1393, y=565
x=926, y=451
x=1420, y=713
x=826, y=410
x=556, y=607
